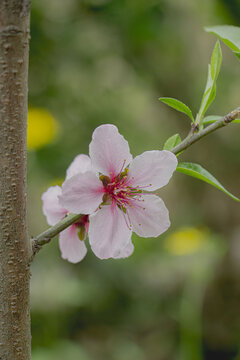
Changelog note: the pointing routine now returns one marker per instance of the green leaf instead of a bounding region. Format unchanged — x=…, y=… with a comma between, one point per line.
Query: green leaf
x=212, y=118
x=172, y=142
x=213, y=72
x=200, y=173
x=237, y=53
x=216, y=61
x=177, y=105
x=230, y=35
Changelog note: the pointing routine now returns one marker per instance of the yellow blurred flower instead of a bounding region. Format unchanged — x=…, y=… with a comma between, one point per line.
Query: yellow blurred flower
x=42, y=128
x=185, y=241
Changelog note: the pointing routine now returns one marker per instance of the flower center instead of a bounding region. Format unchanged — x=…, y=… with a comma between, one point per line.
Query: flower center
x=119, y=191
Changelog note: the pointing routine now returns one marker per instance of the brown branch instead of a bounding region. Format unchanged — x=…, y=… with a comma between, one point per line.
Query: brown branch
x=15, y=337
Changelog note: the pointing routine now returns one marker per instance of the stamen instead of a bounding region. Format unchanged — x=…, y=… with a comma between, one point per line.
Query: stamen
x=126, y=218
x=124, y=162
x=130, y=225
x=145, y=186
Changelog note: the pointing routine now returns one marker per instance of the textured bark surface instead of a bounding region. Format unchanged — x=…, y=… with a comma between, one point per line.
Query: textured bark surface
x=14, y=245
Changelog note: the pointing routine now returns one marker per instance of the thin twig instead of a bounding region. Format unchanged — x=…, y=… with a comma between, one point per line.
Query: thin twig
x=47, y=235
x=225, y=120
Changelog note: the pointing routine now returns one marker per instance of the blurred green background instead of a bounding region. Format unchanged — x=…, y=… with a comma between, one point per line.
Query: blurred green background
x=108, y=61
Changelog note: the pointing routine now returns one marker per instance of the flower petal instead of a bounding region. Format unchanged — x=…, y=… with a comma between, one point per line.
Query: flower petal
x=72, y=248
x=149, y=218
x=108, y=232
x=53, y=211
x=152, y=169
x=80, y=164
x=82, y=193
x=108, y=150
x=126, y=251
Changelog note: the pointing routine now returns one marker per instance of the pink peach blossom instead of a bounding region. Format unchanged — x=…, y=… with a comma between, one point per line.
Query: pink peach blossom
x=114, y=193
x=72, y=248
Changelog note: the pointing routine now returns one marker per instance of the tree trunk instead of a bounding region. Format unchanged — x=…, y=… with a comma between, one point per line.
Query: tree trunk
x=15, y=338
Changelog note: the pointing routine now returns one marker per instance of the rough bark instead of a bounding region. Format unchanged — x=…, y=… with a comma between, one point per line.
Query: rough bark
x=14, y=245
